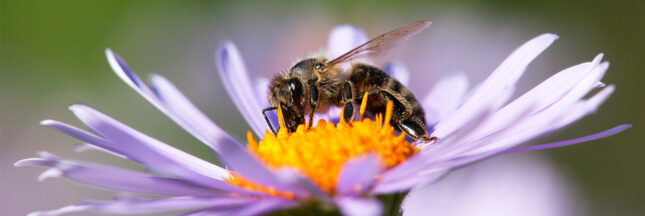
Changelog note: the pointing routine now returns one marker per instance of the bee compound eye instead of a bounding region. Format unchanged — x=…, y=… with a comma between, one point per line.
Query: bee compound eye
x=318, y=66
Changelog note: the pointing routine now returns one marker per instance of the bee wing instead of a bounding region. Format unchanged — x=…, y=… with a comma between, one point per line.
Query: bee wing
x=379, y=45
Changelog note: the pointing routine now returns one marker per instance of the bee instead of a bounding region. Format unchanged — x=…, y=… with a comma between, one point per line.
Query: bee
x=314, y=84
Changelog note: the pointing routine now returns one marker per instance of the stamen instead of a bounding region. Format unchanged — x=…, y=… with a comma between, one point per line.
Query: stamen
x=363, y=106
x=280, y=117
x=388, y=113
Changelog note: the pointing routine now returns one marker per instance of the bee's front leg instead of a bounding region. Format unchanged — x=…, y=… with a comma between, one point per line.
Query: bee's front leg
x=313, y=102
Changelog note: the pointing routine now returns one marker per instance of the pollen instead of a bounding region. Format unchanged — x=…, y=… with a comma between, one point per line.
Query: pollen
x=320, y=152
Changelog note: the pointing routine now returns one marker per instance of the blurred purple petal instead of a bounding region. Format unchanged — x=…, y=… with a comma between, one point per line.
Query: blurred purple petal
x=399, y=71
x=357, y=174
x=344, y=38
x=191, y=119
x=60, y=211
x=115, y=178
x=130, y=207
x=156, y=155
x=238, y=86
x=504, y=77
x=358, y=206
x=515, y=185
x=444, y=98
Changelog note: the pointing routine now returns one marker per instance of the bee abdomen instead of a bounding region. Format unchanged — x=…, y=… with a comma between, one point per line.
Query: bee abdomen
x=366, y=78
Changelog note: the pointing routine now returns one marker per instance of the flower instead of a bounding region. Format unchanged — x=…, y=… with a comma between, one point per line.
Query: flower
x=277, y=174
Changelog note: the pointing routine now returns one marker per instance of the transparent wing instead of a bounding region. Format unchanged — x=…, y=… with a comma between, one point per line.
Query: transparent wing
x=379, y=45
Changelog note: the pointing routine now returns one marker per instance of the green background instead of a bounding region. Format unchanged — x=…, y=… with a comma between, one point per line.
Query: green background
x=52, y=56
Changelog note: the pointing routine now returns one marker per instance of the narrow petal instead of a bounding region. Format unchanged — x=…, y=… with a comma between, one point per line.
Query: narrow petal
x=538, y=98
x=153, y=153
x=358, y=206
x=237, y=158
x=115, y=178
x=187, y=119
x=189, y=116
x=531, y=127
x=504, y=77
x=405, y=183
x=607, y=133
x=344, y=38
x=399, y=71
x=60, y=211
x=261, y=87
x=238, y=86
x=156, y=206
x=358, y=174
x=264, y=207
x=444, y=98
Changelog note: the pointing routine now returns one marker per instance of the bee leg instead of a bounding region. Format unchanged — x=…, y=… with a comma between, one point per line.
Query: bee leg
x=313, y=102
x=267, y=119
x=414, y=128
x=401, y=109
x=348, y=108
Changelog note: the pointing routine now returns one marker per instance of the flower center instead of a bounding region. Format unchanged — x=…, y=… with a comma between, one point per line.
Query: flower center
x=320, y=153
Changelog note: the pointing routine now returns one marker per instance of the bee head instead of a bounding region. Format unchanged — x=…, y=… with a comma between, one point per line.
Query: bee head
x=308, y=66
x=289, y=93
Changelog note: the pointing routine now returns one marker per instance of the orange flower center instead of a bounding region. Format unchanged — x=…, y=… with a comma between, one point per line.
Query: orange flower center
x=321, y=152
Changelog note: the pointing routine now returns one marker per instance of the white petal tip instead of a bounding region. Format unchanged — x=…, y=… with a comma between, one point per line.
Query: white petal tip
x=596, y=60
x=600, y=85
x=26, y=162
x=50, y=173
x=47, y=122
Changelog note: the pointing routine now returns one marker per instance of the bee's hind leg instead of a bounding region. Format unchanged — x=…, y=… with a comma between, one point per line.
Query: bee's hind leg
x=402, y=116
x=414, y=128
x=347, y=100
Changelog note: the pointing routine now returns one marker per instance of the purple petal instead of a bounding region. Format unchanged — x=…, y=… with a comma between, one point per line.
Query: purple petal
x=296, y=177
x=156, y=155
x=115, y=178
x=238, y=86
x=358, y=206
x=358, y=174
x=444, y=98
x=610, y=132
x=515, y=185
x=531, y=127
x=188, y=115
x=167, y=101
x=237, y=158
x=60, y=211
x=405, y=183
x=504, y=77
x=545, y=94
x=158, y=205
x=261, y=87
x=399, y=71
x=344, y=38
x=264, y=206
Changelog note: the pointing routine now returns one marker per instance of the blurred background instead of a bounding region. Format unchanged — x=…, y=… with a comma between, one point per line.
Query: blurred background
x=52, y=56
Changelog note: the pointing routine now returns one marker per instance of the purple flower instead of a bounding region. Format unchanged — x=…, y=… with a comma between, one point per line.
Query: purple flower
x=472, y=125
